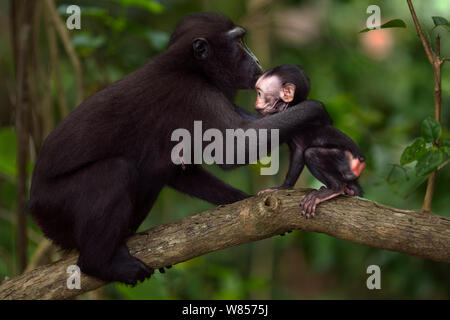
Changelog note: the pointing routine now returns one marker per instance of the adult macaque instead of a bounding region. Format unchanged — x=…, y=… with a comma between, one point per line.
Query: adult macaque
x=330, y=155
x=100, y=171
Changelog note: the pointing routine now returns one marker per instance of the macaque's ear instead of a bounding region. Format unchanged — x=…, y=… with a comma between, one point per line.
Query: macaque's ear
x=287, y=92
x=201, y=48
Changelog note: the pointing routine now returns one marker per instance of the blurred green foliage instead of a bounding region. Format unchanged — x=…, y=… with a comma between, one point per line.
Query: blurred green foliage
x=378, y=88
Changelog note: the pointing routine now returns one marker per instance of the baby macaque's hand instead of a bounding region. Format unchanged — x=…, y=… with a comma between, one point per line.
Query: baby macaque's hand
x=271, y=190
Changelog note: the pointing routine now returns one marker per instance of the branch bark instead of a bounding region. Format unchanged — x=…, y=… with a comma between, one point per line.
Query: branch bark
x=350, y=218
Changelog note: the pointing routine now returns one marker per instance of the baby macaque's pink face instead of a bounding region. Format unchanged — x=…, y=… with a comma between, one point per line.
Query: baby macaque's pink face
x=268, y=89
x=273, y=95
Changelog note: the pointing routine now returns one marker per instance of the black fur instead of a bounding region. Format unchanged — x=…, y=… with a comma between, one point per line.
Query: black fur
x=322, y=148
x=100, y=171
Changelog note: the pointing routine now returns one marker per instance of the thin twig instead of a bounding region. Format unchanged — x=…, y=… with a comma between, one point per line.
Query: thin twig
x=426, y=46
x=443, y=164
x=436, y=64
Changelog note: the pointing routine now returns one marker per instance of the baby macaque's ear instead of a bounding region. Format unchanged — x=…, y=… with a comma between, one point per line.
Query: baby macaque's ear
x=287, y=92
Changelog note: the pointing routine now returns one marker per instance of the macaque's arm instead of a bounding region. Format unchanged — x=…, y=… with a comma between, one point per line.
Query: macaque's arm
x=296, y=165
x=246, y=114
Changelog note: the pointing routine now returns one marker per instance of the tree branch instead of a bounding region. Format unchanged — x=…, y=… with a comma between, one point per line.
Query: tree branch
x=436, y=64
x=426, y=45
x=350, y=218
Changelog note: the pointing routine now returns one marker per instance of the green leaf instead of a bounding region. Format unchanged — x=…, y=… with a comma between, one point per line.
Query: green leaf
x=413, y=152
x=396, y=23
x=429, y=162
x=404, y=180
x=440, y=21
x=151, y=6
x=431, y=129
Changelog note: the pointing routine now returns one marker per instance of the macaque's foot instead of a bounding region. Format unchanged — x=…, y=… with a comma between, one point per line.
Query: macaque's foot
x=349, y=191
x=272, y=189
x=312, y=199
x=122, y=267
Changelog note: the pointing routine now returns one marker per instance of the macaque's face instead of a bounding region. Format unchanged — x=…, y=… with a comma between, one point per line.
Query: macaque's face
x=268, y=94
x=272, y=95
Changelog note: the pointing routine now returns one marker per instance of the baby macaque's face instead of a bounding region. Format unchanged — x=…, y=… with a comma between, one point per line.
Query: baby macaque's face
x=272, y=95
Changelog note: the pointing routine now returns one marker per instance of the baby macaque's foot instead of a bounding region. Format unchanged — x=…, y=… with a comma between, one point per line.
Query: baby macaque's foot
x=271, y=190
x=312, y=199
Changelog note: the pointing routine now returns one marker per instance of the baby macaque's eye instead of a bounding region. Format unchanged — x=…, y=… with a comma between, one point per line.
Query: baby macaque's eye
x=259, y=93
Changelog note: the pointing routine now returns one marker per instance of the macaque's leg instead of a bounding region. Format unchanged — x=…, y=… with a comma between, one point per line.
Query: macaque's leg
x=331, y=167
x=198, y=182
x=296, y=166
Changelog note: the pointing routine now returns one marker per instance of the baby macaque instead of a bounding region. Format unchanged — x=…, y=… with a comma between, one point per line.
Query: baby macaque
x=330, y=155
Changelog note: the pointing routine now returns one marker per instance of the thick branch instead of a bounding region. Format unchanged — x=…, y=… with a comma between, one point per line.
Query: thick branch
x=350, y=218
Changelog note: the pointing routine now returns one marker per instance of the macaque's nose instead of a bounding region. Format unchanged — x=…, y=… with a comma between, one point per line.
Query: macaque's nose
x=259, y=107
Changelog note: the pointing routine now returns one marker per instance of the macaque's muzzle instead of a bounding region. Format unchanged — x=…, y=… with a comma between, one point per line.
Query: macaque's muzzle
x=278, y=106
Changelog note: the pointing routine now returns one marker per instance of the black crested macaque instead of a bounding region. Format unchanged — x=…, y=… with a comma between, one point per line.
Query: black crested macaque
x=100, y=171
x=330, y=155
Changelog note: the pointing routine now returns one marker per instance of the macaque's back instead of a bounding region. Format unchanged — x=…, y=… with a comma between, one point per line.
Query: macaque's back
x=325, y=136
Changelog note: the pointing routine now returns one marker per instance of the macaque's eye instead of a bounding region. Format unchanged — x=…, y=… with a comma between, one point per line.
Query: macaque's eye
x=259, y=93
x=241, y=42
